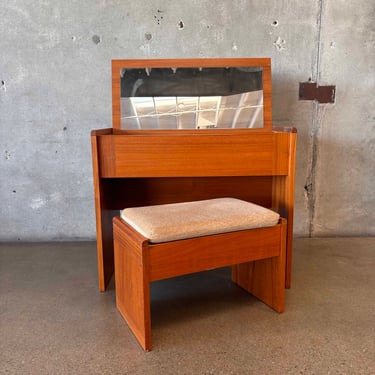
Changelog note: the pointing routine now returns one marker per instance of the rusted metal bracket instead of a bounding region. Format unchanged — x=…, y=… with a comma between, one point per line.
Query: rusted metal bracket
x=311, y=91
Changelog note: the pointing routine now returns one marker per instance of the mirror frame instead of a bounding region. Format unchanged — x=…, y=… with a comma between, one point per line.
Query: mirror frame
x=264, y=63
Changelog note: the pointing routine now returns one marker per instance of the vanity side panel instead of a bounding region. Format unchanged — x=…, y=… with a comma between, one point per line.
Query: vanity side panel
x=283, y=197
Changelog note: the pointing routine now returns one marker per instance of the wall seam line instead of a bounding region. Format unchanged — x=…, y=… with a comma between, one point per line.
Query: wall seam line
x=310, y=185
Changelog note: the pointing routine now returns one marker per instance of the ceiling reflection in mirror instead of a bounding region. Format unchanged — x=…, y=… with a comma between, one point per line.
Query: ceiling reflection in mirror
x=192, y=98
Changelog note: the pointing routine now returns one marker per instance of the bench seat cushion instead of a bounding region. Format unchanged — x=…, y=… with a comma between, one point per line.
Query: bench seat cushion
x=170, y=222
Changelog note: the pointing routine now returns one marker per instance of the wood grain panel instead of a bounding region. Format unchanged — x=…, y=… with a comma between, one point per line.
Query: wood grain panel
x=132, y=282
x=206, y=155
x=265, y=278
x=104, y=215
x=203, y=253
x=283, y=200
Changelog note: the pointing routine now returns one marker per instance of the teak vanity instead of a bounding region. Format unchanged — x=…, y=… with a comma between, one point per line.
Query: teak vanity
x=181, y=148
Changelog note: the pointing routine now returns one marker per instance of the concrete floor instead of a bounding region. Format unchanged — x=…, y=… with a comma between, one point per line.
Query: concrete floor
x=55, y=321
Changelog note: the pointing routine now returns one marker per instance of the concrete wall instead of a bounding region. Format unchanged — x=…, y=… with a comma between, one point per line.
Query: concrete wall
x=55, y=86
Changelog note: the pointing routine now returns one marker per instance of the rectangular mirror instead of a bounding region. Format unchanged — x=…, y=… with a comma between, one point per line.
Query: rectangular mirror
x=191, y=94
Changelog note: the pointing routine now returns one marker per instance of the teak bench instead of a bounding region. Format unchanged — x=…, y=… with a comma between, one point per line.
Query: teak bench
x=179, y=250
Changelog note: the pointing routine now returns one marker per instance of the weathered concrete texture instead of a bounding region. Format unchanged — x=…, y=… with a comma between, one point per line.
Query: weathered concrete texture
x=54, y=320
x=345, y=173
x=55, y=86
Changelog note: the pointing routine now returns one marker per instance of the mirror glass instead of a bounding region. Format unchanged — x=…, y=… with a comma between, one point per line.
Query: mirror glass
x=191, y=98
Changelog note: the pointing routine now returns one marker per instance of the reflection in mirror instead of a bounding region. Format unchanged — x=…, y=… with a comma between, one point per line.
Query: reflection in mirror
x=192, y=98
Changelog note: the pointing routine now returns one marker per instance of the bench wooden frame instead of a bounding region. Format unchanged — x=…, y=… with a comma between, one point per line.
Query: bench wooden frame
x=259, y=252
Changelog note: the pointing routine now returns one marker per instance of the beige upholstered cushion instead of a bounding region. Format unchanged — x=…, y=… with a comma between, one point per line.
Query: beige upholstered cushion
x=169, y=222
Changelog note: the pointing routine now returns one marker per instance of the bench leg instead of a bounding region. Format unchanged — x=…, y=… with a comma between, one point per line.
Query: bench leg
x=265, y=278
x=133, y=289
